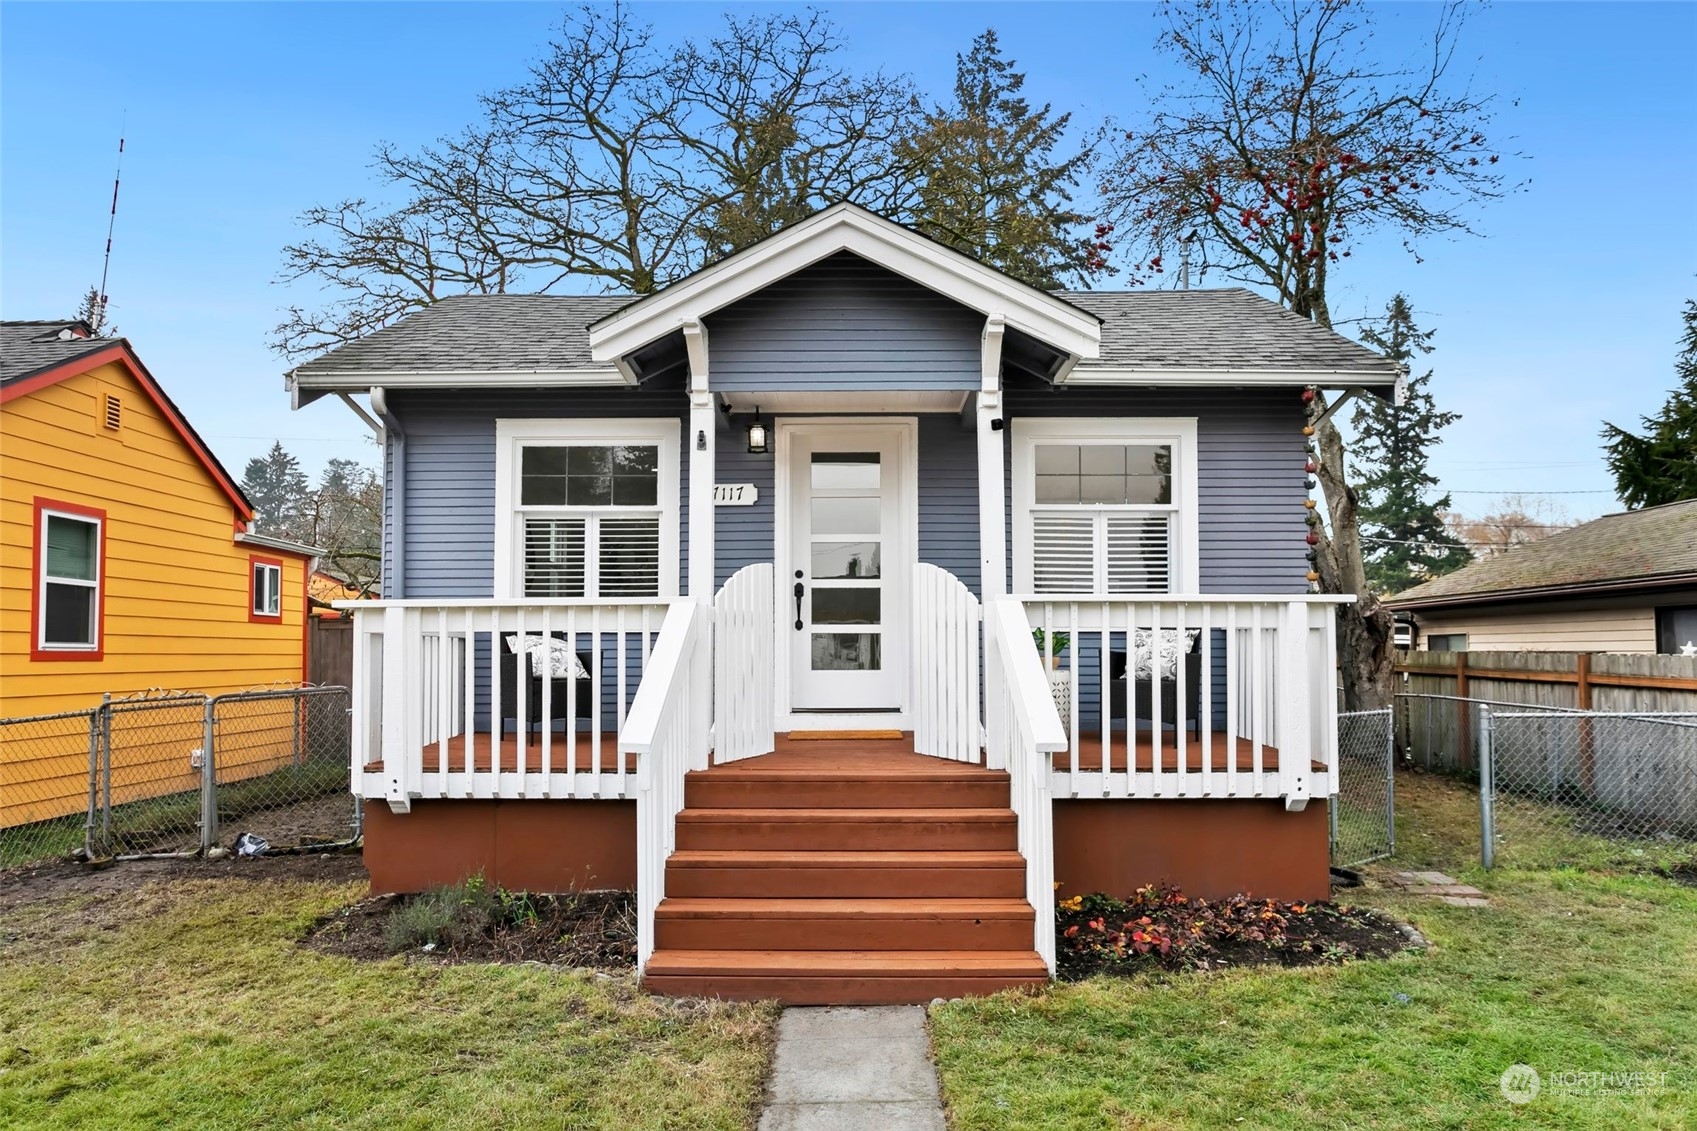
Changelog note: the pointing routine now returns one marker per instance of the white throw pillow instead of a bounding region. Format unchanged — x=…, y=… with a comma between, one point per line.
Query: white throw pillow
x=555, y=657
x=1171, y=648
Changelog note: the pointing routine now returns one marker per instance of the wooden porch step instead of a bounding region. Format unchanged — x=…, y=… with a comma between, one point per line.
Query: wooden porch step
x=822, y=829
x=865, y=924
x=846, y=977
x=781, y=874
x=725, y=787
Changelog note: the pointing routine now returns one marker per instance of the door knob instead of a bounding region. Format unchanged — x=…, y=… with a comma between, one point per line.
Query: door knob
x=799, y=590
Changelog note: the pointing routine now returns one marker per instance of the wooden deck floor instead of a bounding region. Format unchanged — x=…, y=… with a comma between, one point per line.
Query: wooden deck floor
x=583, y=760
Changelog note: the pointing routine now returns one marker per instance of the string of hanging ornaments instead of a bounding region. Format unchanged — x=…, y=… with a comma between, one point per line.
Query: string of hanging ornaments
x=1312, y=507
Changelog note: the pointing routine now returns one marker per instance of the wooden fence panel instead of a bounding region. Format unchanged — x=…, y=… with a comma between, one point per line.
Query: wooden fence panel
x=330, y=651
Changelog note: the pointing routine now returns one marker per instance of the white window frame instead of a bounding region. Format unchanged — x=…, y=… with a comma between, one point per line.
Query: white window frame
x=514, y=435
x=271, y=590
x=42, y=644
x=1178, y=431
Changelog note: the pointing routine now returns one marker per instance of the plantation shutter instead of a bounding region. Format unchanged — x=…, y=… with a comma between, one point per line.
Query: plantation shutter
x=1138, y=555
x=628, y=557
x=592, y=556
x=1063, y=553
x=555, y=557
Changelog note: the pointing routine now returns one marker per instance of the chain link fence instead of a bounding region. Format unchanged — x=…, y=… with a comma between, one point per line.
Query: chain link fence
x=172, y=773
x=45, y=785
x=1589, y=788
x=1363, y=813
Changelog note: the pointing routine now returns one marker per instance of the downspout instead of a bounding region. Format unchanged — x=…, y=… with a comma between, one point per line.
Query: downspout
x=394, y=440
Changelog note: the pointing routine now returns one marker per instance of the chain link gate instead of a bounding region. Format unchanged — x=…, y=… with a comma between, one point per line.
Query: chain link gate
x=1588, y=788
x=279, y=768
x=146, y=776
x=1362, y=815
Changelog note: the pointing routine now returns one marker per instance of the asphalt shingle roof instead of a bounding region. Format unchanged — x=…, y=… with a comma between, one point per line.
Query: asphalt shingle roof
x=509, y=333
x=1656, y=544
x=1231, y=330
x=28, y=348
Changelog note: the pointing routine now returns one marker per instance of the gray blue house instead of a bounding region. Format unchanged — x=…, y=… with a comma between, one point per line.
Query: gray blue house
x=843, y=599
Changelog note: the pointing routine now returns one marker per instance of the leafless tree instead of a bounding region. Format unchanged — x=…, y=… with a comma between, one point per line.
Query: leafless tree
x=1515, y=521
x=618, y=160
x=1283, y=144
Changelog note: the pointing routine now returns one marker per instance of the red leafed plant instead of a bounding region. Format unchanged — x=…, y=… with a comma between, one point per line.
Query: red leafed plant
x=1160, y=926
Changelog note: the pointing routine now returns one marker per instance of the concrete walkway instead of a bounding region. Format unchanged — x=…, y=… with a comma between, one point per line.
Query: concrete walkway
x=853, y=1068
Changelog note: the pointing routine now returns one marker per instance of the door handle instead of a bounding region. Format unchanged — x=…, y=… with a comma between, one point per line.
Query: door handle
x=799, y=590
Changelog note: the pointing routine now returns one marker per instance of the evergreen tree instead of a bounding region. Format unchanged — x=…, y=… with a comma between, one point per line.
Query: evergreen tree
x=1661, y=465
x=1404, y=537
x=988, y=182
x=92, y=310
x=280, y=493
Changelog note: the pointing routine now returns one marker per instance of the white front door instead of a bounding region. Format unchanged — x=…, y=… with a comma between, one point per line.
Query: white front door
x=844, y=595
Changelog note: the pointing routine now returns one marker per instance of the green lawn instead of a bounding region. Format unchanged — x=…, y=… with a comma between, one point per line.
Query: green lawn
x=1567, y=971
x=186, y=1003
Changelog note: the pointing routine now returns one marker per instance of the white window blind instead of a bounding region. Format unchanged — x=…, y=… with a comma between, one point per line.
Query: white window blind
x=591, y=525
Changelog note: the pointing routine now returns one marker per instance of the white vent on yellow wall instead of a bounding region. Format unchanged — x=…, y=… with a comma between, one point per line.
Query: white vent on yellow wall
x=114, y=412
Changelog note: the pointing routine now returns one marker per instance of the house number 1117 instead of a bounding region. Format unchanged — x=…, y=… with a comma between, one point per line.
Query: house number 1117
x=735, y=494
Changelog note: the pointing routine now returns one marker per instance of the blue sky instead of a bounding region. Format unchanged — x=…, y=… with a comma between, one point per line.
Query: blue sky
x=240, y=116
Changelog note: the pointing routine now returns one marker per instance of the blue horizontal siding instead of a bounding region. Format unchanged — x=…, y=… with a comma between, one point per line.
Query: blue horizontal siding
x=844, y=323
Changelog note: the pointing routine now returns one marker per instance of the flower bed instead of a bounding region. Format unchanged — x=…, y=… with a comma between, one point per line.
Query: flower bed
x=1161, y=927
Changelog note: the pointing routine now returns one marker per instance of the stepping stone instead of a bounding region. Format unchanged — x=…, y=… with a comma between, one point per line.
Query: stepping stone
x=1464, y=901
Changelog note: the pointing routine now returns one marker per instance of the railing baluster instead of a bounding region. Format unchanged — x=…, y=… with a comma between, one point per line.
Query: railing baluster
x=572, y=780
x=1233, y=699
x=1205, y=725
x=468, y=724
x=547, y=701
x=1258, y=699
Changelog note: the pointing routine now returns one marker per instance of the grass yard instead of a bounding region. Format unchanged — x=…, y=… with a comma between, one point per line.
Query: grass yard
x=1567, y=971
x=162, y=998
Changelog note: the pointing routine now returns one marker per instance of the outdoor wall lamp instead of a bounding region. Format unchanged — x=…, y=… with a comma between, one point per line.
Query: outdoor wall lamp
x=757, y=435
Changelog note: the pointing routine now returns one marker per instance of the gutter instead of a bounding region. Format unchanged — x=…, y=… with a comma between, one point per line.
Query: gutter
x=249, y=538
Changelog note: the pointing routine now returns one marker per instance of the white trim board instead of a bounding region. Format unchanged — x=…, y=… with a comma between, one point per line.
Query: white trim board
x=1226, y=378
x=511, y=434
x=1026, y=432
x=847, y=227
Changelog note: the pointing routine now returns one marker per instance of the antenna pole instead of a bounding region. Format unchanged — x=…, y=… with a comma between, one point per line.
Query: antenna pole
x=111, y=222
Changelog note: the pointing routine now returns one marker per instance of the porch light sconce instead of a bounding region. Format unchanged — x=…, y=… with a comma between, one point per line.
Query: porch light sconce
x=700, y=440
x=757, y=435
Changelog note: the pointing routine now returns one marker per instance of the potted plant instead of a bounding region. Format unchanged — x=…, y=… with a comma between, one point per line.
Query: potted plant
x=1058, y=642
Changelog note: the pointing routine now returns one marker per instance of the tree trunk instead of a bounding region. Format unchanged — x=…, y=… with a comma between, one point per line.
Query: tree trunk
x=1364, y=628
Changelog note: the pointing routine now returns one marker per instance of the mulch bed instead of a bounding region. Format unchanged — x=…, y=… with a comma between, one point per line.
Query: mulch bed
x=592, y=929
x=1160, y=928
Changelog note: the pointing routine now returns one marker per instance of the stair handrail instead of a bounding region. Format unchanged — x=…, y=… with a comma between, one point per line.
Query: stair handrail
x=1022, y=734
x=661, y=732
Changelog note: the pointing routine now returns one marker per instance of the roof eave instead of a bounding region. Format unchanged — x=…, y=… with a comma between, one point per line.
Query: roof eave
x=1533, y=593
x=1298, y=376
x=358, y=380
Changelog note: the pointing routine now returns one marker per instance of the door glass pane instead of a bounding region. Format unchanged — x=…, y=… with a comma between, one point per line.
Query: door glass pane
x=835, y=517
x=845, y=469
x=845, y=559
x=70, y=548
x=842, y=651
x=845, y=606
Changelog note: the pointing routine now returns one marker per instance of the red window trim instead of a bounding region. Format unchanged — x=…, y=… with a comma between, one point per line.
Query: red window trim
x=37, y=651
x=253, y=589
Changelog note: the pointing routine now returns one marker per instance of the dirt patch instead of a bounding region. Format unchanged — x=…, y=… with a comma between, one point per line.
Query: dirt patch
x=1160, y=927
x=1681, y=874
x=590, y=929
x=65, y=879
x=317, y=820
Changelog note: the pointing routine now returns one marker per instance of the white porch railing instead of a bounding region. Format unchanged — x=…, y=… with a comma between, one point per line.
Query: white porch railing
x=459, y=700
x=945, y=665
x=1022, y=732
x=1220, y=696
x=743, y=683
x=666, y=734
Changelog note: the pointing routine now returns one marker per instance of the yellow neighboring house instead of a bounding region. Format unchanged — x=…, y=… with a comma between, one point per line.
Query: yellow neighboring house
x=126, y=556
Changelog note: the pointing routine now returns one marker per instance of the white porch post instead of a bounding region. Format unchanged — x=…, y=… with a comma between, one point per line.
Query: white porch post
x=702, y=442
x=1294, y=688
x=992, y=485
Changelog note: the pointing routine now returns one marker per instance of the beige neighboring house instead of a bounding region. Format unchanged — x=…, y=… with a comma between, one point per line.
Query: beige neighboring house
x=1622, y=583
